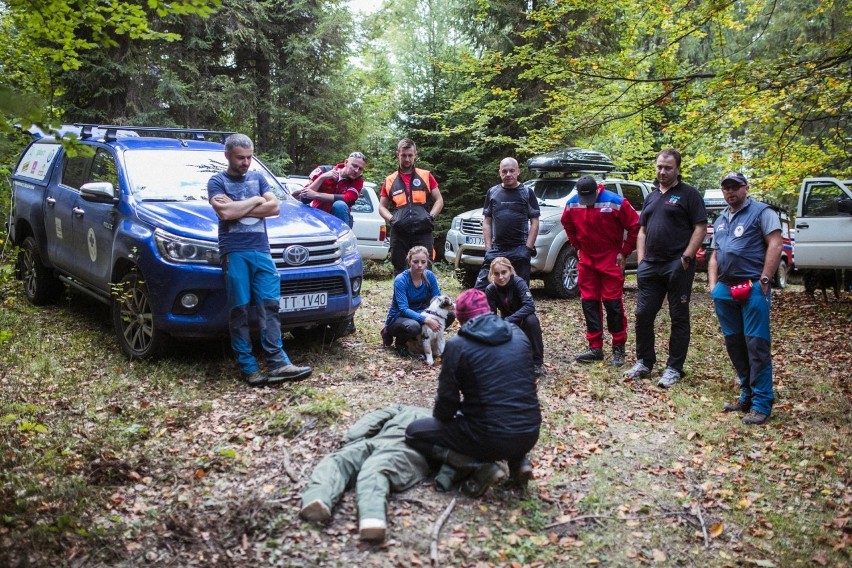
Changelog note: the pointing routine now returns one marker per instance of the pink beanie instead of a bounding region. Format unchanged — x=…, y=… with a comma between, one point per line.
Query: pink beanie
x=471, y=303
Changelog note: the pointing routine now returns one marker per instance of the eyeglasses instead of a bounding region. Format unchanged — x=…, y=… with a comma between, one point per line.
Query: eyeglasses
x=730, y=188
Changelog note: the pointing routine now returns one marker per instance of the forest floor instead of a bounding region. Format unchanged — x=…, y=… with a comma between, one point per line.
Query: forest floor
x=105, y=462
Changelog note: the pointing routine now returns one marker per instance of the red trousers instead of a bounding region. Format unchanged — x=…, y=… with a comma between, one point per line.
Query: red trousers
x=601, y=283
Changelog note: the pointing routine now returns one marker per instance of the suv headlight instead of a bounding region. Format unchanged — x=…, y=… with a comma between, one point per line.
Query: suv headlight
x=348, y=243
x=547, y=226
x=183, y=249
x=456, y=223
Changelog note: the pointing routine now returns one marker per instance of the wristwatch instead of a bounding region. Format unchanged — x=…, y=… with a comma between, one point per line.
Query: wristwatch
x=689, y=259
x=764, y=279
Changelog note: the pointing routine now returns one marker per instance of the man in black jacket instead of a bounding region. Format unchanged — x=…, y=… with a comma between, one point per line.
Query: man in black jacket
x=486, y=408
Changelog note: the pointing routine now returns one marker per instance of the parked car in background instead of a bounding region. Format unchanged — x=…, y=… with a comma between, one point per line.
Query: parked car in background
x=367, y=224
x=715, y=203
x=824, y=224
x=130, y=225
x=556, y=260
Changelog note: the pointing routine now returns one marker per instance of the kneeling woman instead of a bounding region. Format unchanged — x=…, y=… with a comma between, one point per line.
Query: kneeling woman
x=509, y=294
x=413, y=289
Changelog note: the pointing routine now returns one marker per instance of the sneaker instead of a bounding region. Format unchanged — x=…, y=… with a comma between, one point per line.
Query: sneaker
x=256, y=379
x=482, y=478
x=591, y=355
x=538, y=371
x=637, y=371
x=387, y=338
x=316, y=512
x=738, y=406
x=372, y=529
x=289, y=373
x=521, y=475
x=755, y=417
x=617, y=356
x=669, y=379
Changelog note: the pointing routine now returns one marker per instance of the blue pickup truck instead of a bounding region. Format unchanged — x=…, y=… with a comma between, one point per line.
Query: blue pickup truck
x=127, y=221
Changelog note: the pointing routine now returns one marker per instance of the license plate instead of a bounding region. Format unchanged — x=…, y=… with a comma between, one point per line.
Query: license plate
x=303, y=302
x=474, y=241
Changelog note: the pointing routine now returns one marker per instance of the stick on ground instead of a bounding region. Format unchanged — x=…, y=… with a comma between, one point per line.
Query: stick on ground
x=436, y=531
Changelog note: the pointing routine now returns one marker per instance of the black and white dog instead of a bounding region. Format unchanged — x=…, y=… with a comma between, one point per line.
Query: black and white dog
x=433, y=341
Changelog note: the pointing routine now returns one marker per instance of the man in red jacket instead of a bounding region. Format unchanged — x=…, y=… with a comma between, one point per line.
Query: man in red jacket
x=335, y=189
x=602, y=226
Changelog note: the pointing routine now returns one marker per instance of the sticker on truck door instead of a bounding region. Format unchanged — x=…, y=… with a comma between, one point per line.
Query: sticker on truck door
x=36, y=161
x=93, y=244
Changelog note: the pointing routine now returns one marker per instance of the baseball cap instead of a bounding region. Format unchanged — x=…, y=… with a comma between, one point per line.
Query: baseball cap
x=735, y=176
x=471, y=303
x=587, y=190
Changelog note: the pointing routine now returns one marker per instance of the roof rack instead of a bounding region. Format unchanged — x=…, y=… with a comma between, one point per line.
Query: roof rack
x=113, y=130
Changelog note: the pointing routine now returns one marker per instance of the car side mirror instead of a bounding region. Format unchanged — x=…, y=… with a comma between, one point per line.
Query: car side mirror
x=98, y=191
x=844, y=206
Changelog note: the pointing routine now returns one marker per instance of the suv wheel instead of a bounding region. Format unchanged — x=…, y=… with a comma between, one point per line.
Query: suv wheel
x=133, y=319
x=40, y=284
x=562, y=280
x=781, y=275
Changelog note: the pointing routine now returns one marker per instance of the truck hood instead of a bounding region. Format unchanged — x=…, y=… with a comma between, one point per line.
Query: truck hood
x=196, y=219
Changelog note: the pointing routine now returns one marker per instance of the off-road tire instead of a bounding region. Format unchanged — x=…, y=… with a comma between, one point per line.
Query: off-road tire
x=562, y=281
x=41, y=286
x=133, y=319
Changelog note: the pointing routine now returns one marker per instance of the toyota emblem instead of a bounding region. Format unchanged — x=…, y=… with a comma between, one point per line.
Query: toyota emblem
x=296, y=255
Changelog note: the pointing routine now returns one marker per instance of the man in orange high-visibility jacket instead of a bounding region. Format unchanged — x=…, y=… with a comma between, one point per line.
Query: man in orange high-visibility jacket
x=409, y=189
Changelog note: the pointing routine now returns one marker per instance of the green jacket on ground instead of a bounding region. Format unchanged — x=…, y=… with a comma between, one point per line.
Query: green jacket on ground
x=374, y=453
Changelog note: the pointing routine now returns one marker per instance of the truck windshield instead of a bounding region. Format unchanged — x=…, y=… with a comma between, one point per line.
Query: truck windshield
x=167, y=175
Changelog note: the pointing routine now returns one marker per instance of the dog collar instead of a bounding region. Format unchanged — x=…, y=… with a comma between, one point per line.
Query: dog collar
x=431, y=313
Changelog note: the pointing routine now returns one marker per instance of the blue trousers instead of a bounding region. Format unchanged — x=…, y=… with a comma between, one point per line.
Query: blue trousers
x=251, y=277
x=340, y=210
x=746, y=329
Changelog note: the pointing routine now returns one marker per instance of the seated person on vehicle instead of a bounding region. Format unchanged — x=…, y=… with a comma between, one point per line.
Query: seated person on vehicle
x=335, y=189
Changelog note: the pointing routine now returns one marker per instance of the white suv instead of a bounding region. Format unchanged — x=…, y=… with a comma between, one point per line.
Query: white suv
x=556, y=260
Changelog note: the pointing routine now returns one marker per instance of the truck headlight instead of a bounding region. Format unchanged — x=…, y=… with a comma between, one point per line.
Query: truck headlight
x=456, y=224
x=545, y=227
x=184, y=249
x=348, y=243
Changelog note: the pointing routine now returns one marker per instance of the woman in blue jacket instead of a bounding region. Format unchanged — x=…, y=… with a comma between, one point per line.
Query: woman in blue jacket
x=413, y=289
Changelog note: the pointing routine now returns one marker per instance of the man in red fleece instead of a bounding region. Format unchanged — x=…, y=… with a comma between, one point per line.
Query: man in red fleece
x=602, y=226
x=335, y=189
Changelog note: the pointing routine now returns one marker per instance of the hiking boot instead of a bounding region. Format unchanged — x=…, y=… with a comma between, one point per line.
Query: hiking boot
x=637, y=371
x=591, y=355
x=669, y=379
x=481, y=479
x=538, y=371
x=445, y=478
x=738, y=406
x=256, y=379
x=289, y=373
x=522, y=473
x=617, y=356
x=387, y=338
x=755, y=417
x=403, y=351
x=372, y=529
x=316, y=512
x=350, y=328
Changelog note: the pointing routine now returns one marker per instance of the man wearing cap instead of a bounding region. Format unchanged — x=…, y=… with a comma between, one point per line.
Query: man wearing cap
x=486, y=408
x=747, y=247
x=335, y=189
x=510, y=220
x=602, y=226
x=672, y=226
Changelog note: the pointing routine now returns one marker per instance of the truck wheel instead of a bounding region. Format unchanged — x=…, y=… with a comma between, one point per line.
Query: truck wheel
x=41, y=286
x=133, y=319
x=781, y=275
x=562, y=281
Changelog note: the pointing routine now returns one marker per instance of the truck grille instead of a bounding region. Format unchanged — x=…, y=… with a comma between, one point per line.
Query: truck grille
x=472, y=227
x=322, y=251
x=333, y=285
